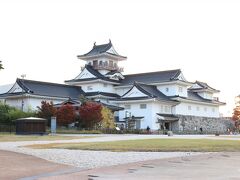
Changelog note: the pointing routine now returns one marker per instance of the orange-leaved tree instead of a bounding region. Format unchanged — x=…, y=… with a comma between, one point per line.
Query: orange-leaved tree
x=66, y=114
x=90, y=114
x=236, y=116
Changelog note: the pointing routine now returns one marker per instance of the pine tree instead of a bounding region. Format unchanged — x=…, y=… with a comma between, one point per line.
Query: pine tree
x=1, y=66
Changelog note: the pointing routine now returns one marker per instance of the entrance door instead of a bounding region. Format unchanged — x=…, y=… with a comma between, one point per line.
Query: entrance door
x=167, y=126
x=138, y=124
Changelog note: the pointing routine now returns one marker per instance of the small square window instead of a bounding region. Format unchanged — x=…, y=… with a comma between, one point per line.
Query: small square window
x=105, y=85
x=189, y=108
x=161, y=108
x=198, y=108
x=143, y=106
x=205, y=109
x=213, y=109
x=180, y=89
x=89, y=88
x=167, y=89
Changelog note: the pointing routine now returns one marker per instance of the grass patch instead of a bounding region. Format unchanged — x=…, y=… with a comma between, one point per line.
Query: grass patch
x=76, y=131
x=153, y=145
x=227, y=136
x=12, y=137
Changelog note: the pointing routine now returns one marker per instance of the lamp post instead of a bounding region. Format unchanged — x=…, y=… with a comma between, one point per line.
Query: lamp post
x=23, y=76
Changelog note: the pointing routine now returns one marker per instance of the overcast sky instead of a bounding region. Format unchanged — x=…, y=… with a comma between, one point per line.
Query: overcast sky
x=42, y=39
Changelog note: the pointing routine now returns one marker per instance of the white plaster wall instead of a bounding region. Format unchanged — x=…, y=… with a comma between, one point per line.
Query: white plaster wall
x=34, y=102
x=159, y=107
x=85, y=74
x=15, y=102
x=172, y=89
x=136, y=111
x=103, y=87
x=150, y=113
x=196, y=110
x=95, y=87
x=122, y=91
x=135, y=93
x=206, y=95
x=29, y=102
x=184, y=91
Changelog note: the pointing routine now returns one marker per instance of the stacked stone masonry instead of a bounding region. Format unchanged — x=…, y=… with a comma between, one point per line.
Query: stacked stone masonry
x=194, y=124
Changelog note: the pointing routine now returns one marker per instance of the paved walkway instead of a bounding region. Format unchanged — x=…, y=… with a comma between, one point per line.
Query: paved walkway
x=15, y=166
x=216, y=166
x=91, y=159
x=211, y=166
x=78, y=162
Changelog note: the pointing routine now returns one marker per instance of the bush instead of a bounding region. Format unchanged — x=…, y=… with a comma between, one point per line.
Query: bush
x=76, y=131
x=8, y=114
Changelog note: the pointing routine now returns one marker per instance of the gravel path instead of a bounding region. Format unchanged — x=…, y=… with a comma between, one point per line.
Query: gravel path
x=91, y=159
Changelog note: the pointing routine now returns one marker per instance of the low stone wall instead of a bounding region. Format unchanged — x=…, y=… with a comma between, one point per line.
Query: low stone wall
x=193, y=124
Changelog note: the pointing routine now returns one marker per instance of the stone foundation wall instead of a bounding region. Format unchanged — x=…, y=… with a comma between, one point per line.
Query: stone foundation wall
x=192, y=124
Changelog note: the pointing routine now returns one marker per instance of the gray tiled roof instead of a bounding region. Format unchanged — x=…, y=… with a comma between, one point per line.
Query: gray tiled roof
x=50, y=89
x=195, y=97
x=113, y=72
x=95, y=73
x=203, y=85
x=150, y=90
x=101, y=93
x=151, y=77
x=100, y=49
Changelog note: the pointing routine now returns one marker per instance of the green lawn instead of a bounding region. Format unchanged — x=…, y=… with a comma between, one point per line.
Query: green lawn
x=12, y=137
x=154, y=145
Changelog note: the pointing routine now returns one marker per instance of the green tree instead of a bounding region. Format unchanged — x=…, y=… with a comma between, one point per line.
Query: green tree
x=1, y=66
x=83, y=99
x=107, y=118
x=8, y=114
x=4, y=116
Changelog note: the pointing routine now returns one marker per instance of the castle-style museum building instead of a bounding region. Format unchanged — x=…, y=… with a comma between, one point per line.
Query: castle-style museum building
x=162, y=99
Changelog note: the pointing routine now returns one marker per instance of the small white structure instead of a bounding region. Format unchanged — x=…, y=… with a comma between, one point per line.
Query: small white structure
x=147, y=98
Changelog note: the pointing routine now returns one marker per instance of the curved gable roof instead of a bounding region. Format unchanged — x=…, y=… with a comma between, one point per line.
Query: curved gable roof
x=50, y=89
x=151, y=77
x=95, y=73
x=100, y=49
x=150, y=90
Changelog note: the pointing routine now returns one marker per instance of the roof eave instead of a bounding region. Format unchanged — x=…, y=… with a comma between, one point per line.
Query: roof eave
x=105, y=54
